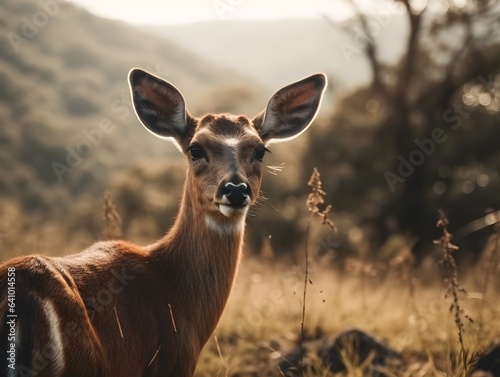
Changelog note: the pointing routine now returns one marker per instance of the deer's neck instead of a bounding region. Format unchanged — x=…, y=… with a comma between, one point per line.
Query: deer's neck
x=200, y=256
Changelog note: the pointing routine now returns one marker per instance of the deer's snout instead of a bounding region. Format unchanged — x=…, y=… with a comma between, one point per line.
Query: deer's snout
x=234, y=195
x=237, y=194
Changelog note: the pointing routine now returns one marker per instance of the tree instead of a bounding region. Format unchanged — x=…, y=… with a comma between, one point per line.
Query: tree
x=437, y=131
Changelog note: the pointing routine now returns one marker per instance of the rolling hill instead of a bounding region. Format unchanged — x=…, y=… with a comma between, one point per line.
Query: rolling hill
x=66, y=124
x=65, y=79
x=278, y=51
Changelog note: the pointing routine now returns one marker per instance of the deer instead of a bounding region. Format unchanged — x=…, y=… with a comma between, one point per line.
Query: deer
x=119, y=309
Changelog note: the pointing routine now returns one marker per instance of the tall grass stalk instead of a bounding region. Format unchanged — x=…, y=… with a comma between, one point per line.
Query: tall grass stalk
x=112, y=220
x=453, y=287
x=489, y=267
x=314, y=200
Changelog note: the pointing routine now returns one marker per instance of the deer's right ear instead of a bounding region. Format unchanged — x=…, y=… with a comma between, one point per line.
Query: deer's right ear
x=291, y=110
x=159, y=106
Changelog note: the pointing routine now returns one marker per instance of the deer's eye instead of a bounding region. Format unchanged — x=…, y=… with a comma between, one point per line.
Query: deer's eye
x=260, y=153
x=197, y=153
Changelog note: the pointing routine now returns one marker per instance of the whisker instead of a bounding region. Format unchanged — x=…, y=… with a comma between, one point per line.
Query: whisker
x=273, y=169
x=277, y=167
x=261, y=199
x=273, y=207
x=272, y=172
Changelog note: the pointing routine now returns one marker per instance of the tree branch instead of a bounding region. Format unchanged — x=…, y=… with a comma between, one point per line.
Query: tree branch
x=407, y=70
x=371, y=54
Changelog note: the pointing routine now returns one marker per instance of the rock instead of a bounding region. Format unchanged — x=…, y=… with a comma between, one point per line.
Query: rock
x=488, y=364
x=332, y=351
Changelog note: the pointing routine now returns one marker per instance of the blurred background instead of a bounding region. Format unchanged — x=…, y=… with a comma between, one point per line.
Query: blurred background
x=410, y=123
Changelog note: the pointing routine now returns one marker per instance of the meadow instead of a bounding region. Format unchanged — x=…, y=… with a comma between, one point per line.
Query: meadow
x=432, y=109
x=262, y=321
x=439, y=316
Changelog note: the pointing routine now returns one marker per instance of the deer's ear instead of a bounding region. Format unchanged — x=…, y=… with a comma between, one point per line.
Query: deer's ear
x=291, y=109
x=159, y=106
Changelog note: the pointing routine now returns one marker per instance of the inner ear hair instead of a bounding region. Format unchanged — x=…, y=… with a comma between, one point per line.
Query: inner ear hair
x=291, y=109
x=159, y=106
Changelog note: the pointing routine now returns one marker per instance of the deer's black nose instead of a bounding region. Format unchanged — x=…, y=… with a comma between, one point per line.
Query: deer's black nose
x=236, y=194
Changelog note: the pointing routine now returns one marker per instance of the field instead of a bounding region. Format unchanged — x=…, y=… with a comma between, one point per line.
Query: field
x=424, y=313
x=438, y=316
x=262, y=320
x=409, y=126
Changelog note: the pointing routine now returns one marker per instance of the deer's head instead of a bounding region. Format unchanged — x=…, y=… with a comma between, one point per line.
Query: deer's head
x=224, y=151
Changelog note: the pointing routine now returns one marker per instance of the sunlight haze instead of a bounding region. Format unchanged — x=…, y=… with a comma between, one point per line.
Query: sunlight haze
x=155, y=12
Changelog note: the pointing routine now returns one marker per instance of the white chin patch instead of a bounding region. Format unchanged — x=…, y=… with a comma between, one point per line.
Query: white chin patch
x=228, y=211
x=225, y=228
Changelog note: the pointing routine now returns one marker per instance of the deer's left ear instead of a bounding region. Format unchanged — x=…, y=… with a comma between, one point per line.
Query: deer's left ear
x=291, y=109
x=160, y=107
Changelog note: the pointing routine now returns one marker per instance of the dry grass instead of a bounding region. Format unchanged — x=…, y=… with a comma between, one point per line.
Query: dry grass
x=394, y=300
x=112, y=220
x=314, y=200
x=453, y=288
x=261, y=320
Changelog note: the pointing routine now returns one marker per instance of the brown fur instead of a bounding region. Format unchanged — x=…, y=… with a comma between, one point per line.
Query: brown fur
x=129, y=311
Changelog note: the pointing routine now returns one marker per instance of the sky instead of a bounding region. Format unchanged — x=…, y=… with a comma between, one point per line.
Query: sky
x=185, y=11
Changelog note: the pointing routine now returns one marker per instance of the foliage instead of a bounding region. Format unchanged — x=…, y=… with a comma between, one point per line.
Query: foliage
x=423, y=135
x=258, y=328
x=68, y=129
x=67, y=86
x=61, y=88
